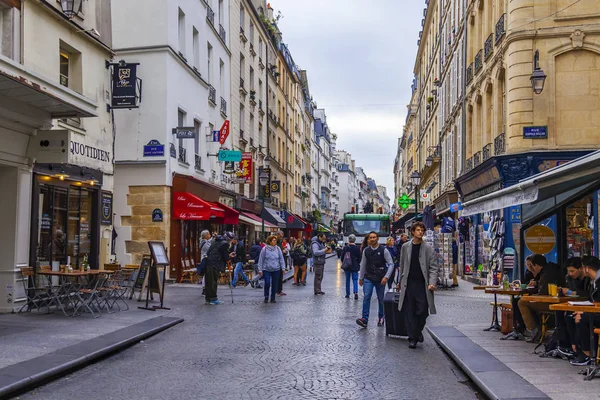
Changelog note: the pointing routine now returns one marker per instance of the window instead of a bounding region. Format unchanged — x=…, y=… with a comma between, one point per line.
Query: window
x=222, y=77
x=251, y=84
x=242, y=121
x=197, y=126
x=242, y=69
x=209, y=56
x=196, y=44
x=221, y=16
x=260, y=90
x=251, y=33
x=181, y=32
x=9, y=26
x=64, y=69
x=181, y=123
x=260, y=46
x=242, y=18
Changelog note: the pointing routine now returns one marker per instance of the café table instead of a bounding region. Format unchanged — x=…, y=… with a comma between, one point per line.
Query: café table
x=592, y=370
x=483, y=287
x=501, y=291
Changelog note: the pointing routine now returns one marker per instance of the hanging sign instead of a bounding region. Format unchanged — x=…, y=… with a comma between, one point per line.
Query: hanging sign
x=230, y=155
x=184, y=132
x=154, y=149
x=106, y=209
x=275, y=186
x=404, y=201
x=245, y=170
x=426, y=197
x=266, y=190
x=454, y=207
x=540, y=239
x=124, y=86
x=216, y=135
x=224, y=132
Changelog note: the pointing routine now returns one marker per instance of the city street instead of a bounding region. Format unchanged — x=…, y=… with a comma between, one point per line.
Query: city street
x=302, y=347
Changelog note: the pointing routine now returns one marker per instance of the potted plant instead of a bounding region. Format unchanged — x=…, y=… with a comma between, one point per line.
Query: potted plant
x=430, y=99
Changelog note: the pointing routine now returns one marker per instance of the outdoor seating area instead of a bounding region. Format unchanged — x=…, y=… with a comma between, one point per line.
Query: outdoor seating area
x=76, y=293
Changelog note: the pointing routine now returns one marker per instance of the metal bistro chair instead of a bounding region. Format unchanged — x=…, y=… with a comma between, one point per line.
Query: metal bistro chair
x=114, y=290
x=37, y=297
x=88, y=299
x=189, y=272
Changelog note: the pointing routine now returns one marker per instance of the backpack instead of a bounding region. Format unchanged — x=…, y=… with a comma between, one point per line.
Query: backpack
x=299, y=255
x=550, y=347
x=347, y=262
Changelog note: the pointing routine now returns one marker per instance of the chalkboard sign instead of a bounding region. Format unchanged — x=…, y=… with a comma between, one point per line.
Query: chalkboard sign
x=143, y=271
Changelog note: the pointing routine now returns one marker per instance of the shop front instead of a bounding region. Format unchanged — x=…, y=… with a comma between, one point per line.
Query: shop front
x=294, y=226
x=554, y=213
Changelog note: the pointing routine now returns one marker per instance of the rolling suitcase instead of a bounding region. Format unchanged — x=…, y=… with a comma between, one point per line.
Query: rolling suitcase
x=394, y=319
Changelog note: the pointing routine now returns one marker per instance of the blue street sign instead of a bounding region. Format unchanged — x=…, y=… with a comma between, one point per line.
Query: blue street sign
x=535, y=132
x=216, y=135
x=230, y=155
x=154, y=149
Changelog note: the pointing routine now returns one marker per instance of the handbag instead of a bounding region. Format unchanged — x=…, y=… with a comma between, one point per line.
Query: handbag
x=201, y=267
x=347, y=263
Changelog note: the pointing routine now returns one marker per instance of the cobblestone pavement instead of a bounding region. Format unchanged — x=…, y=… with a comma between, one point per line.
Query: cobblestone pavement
x=303, y=347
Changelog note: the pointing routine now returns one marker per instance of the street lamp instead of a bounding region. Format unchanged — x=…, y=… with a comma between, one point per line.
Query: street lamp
x=71, y=7
x=263, y=180
x=415, y=179
x=429, y=161
x=538, y=77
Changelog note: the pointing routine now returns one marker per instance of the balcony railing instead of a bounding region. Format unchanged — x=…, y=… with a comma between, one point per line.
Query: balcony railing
x=182, y=157
x=222, y=33
x=223, y=106
x=197, y=162
x=210, y=16
x=478, y=61
x=476, y=159
x=499, y=145
x=469, y=164
x=487, y=151
x=488, y=48
x=212, y=94
x=470, y=73
x=500, y=28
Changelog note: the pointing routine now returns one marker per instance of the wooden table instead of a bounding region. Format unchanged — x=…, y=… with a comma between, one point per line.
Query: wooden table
x=540, y=298
x=496, y=291
x=591, y=371
x=484, y=287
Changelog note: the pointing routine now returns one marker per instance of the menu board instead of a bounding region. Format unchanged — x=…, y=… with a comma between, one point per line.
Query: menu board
x=158, y=253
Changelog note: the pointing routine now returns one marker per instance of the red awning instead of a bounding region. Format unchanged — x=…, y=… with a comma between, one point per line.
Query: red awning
x=259, y=221
x=186, y=206
x=230, y=216
x=308, y=226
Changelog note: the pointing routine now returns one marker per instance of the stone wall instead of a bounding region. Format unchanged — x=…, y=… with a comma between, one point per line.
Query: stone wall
x=142, y=201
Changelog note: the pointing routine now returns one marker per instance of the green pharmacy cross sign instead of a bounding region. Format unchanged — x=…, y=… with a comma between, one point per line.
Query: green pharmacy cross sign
x=405, y=202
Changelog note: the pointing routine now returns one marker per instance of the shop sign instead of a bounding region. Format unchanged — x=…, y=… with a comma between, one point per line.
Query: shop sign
x=184, y=132
x=125, y=86
x=224, y=132
x=106, y=212
x=244, y=171
x=275, y=186
x=490, y=189
x=481, y=180
x=216, y=135
x=267, y=187
x=455, y=207
x=230, y=155
x=540, y=239
x=425, y=197
x=549, y=164
x=49, y=147
x=404, y=201
x=91, y=152
x=515, y=214
x=157, y=215
x=154, y=149
x=535, y=132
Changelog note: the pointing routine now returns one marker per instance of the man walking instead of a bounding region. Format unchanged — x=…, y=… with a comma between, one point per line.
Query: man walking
x=217, y=257
x=237, y=247
x=418, y=273
x=319, y=251
x=376, y=267
x=205, y=242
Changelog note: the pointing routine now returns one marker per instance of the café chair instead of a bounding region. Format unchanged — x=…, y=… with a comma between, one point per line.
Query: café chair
x=37, y=297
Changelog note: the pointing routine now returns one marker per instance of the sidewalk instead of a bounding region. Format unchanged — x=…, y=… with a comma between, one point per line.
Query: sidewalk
x=509, y=369
x=38, y=347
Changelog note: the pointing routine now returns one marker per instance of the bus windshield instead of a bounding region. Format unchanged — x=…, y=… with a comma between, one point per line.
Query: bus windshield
x=361, y=228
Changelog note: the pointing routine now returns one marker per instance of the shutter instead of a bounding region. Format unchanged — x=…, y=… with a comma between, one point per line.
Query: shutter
x=459, y=154
x=451, y=157
x=444, y=161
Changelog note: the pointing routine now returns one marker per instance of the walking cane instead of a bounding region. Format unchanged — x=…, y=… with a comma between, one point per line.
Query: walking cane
x=230, y=287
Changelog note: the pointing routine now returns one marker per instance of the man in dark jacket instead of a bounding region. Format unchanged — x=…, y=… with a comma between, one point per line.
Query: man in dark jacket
x=255, y=255
x=591, y=268
x=237, y=247
x=548, y=273
x=351, y=271
x=319, y=251
x=218, y=255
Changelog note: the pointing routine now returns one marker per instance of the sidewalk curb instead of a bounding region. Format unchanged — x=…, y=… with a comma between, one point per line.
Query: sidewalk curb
x=491, y=376
x=27, y=375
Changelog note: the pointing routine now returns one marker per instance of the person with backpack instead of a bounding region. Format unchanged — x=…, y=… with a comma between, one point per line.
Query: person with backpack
x=390, y=245
x=350, y=257
x=204, y=245
x=299, y=256
x=376, y=266
x=216, y=262
x=237, y=247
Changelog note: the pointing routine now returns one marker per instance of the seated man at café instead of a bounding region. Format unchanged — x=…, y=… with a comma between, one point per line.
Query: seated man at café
x=519, y=324
x=577, y=285
x=548, y=273
x=591, y=265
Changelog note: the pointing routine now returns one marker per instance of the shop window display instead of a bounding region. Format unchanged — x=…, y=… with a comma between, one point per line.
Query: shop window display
x=580, y=228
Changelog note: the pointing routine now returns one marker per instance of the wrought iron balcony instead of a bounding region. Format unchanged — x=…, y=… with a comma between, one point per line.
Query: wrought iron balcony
x=500, y=28
x=478, y=61
x=182, y=156
x=210, y=16
x=212, y=95
x=499, y=145
x=487, y=151
x=470, y=73
x=222, y=33
x=488, y=48
x=469, y=164
x=223, y=106
x=197, y=162
x=476, y=159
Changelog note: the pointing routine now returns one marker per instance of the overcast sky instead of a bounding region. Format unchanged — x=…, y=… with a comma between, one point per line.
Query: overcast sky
x=360, y=58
